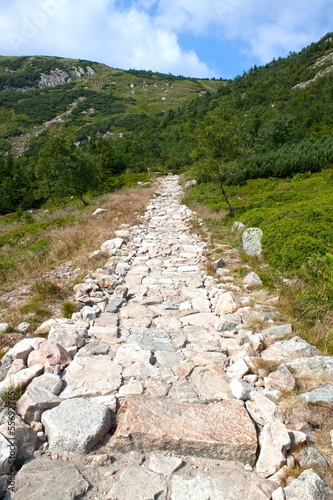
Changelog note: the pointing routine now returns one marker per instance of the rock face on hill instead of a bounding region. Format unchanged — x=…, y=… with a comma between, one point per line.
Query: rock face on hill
x=60, y=77
x=165, y=384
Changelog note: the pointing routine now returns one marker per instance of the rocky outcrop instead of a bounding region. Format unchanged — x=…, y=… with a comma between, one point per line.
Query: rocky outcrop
x=58, y=76
x=166, y=381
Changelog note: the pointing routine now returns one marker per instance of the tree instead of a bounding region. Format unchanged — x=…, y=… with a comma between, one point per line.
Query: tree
x=215, y=155
x=63, y=171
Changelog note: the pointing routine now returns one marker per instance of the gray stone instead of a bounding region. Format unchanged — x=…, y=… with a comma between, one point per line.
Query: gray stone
x=23, y=327
x=238, y=369
x=4, y=327
x=7, y=455
x=91, y=376
x=241, y=389
x=42, y=478
x=274, y=444
x=76, y=425
x=68, y=335
x=277, y=332
x=190, y=183
x=21, y=378
x=21, y=350
x=252, y=279
x=110, y=246
x=311, y=457
x=95, y=347
x=285, y=350
x=321, y=396
x=228, y=322
x=308, y=485
x=152, y=340
x=162, y=464
x=19, y=434
x=34, y=402
x=114, y=305
x=252, y=241
x=47, y=381
x=314, y=365
x=140, y=484
x=238, y=227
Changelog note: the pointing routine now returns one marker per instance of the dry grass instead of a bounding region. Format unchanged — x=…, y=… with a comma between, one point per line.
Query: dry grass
x=267, y=366
x=43, y=273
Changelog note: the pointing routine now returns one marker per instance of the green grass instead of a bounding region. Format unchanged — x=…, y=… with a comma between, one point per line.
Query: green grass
x=296, y=216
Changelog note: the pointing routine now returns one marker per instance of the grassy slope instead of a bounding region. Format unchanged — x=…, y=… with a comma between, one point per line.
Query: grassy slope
x=133, y=93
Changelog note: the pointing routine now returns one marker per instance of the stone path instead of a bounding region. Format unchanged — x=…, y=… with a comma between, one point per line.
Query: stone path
x=154, y=390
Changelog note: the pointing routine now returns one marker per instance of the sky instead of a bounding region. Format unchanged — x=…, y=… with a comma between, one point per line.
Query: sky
x=197, y=38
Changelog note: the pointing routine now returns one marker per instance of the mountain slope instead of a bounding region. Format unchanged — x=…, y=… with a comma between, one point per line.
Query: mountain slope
x=94, y=97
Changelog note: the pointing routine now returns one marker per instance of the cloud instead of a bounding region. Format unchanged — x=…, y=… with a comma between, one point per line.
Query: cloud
x=147, y=34
x=121, y=36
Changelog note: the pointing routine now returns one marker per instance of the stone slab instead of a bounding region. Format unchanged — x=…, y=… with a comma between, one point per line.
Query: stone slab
x=222, y=430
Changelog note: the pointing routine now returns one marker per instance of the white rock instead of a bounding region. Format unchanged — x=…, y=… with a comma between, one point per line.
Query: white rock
x=240, y=389
x=274, y=444
x=99, y=211
x=238, y=369
x=228, y=303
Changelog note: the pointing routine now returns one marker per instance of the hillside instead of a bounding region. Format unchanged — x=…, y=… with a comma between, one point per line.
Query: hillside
x=39, y=93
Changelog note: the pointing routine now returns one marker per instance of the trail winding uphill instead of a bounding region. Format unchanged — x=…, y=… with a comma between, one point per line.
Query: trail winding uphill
x=152, y=390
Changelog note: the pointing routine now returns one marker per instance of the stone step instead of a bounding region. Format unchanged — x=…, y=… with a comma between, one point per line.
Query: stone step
x=222, y=430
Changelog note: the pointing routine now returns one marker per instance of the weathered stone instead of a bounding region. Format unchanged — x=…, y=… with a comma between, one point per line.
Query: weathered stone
x=164, y=465
x=43, y=478
x=285, y=350
x=4, y=327
x=137, y=482
x=7, y=455
x=311, y=457
x=49, y=354
x=18, y=434
x=110, y=246
x=201, y=319
x=228, y=322
x=252, y=241
x=314, y=365
x=21, y=378
x=114, y=305
x=105, y=334
x=238, y=227
x=23, y=327
x=47, y=381
x=132, y=387
x=281, y=379
x=274, y=444
x=308, y=485
x=152, y=340
x=223, y=430
x=22, y=349
x=241, y=389
x=228, y=303
x=321, y=396
x=76, y=425
x=94, y=347
x=238, y=369
x=277, y=332
x=262, y=409
x=91, y=376
x=68, y=335
x=252, y=280
x=210, y=383
x=34, y=402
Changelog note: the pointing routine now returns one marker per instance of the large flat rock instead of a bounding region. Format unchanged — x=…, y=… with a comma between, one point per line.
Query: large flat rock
x=91, y=376
x=42, y=478
x=222, y=430
x=76, y=425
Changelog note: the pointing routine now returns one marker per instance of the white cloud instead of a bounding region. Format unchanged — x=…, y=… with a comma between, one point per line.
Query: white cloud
x=118, y=37
x=146, y=34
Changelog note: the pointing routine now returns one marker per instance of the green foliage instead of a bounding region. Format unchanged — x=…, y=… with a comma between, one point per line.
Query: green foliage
x=45, y=289
x=67, y=309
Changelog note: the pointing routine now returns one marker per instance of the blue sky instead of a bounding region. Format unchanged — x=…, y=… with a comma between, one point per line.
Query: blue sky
x=198, y=38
